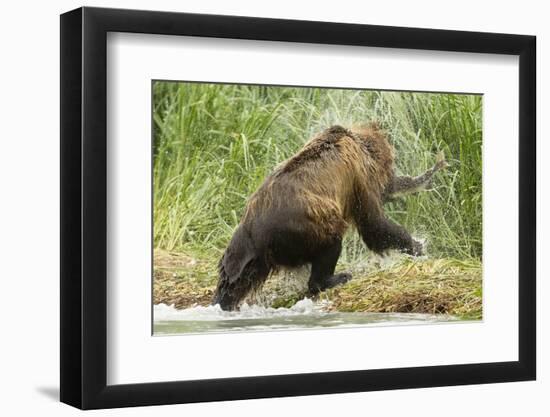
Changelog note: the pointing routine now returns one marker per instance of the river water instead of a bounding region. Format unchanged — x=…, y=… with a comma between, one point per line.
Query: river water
x=305, y=314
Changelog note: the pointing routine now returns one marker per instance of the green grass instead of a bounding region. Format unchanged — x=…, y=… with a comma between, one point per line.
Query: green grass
x=214, y=145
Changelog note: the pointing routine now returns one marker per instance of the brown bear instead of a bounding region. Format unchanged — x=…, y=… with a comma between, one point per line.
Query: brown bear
x=300, y=213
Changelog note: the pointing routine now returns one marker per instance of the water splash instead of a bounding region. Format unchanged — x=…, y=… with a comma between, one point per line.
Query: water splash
x=163, y=312
x=305, y=314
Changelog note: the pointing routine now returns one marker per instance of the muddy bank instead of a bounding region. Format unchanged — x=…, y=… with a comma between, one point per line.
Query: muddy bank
x=402, y=285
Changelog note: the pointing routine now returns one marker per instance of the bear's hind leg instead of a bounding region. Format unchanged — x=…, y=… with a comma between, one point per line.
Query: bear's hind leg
x=322, y=270
x=230, y=291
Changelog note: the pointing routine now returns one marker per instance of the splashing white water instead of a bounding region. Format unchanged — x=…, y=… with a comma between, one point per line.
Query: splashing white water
x=303, y=315
x=163, y=312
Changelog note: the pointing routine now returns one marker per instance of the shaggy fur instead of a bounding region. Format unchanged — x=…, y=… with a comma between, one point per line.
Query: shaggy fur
x=301, y=212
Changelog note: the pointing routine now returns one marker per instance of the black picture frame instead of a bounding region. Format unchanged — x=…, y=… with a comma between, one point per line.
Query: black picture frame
x=84, y=207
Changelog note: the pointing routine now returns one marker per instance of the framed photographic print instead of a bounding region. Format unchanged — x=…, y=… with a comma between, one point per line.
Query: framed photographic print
x=257, y=207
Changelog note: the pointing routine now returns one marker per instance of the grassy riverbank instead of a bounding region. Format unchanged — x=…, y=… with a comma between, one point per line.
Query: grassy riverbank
x=398, y=284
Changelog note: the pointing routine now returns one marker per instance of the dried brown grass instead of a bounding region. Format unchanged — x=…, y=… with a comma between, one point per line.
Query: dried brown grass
x=433, y=286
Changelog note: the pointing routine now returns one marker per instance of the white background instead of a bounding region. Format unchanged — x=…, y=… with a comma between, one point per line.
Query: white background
x=29, y=211
x=134, y=356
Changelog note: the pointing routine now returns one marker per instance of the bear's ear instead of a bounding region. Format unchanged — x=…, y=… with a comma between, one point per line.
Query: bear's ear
x=375, y=125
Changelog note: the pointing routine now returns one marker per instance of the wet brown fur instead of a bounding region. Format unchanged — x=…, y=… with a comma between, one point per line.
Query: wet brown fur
x=336, y=176
x=302, y=210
